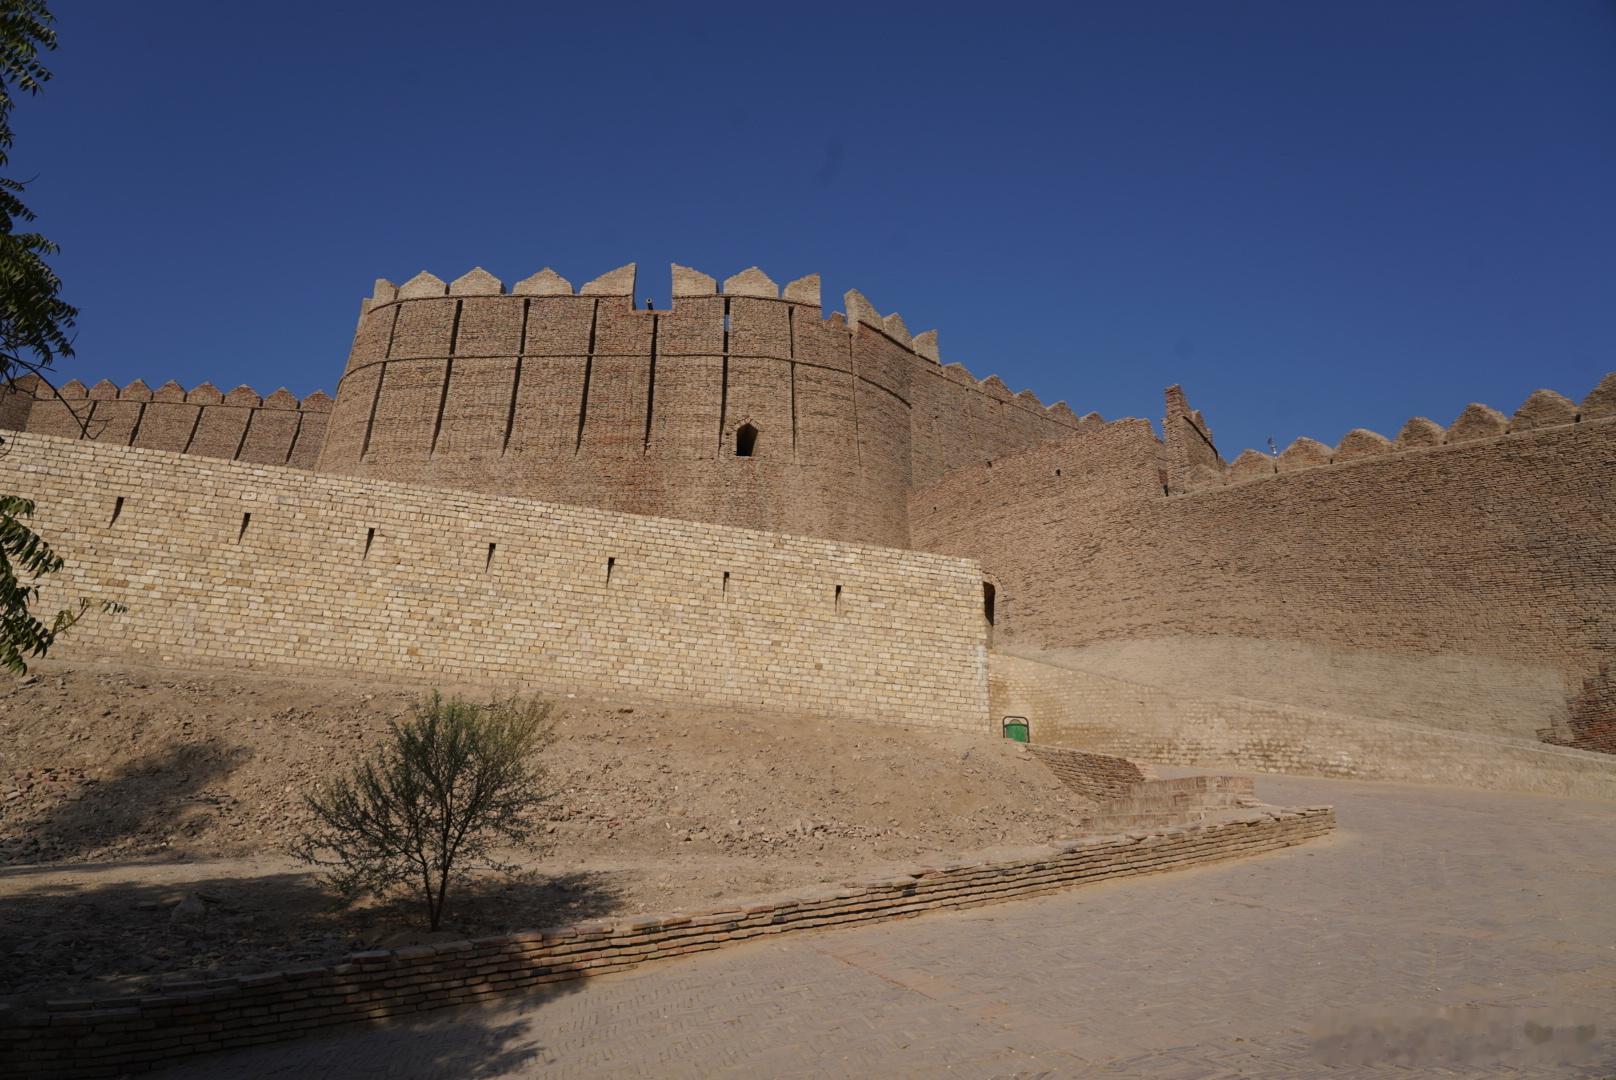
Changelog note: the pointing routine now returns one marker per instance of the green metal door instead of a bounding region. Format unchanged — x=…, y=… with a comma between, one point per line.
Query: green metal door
x=1015, y=727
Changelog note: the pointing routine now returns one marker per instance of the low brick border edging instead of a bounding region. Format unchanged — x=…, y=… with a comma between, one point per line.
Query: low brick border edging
x=108, y=1038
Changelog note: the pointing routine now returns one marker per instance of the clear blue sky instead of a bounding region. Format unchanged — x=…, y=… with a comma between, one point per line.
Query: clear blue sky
x=1316, y=216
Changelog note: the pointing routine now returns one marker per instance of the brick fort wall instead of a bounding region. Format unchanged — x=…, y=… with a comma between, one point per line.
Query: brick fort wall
x=581, y=398
x=1502, y=545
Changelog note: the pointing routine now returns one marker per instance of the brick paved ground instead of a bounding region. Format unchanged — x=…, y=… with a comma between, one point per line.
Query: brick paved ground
x=1434, y=925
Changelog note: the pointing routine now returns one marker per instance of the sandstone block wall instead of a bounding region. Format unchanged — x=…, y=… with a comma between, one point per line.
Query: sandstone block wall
x=1502, y=546
x=1110, y=716
x=226, y=563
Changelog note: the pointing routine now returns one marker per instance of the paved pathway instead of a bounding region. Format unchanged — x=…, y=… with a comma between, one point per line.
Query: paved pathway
x=1437, y=930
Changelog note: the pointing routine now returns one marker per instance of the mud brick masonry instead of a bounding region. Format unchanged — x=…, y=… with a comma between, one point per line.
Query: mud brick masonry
x=742, y=499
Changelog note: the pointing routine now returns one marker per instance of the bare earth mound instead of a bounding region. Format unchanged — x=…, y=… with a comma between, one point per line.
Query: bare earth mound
x=122, y=790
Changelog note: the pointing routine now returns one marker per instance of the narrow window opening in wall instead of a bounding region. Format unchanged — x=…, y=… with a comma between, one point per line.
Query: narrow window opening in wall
x=725, y=589
x=488, y=564
x=989, y=595
x=1057, y=472
x=370, y=538
x=611, y=564
x=117, y=508
x=745, y=440
x=838, y=599
x=246, y=520
x=990, y=464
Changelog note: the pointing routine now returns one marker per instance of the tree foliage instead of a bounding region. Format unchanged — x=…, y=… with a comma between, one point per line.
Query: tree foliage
x=35, y=329
x=35, y=323
x=24, y=553
x=450, y=784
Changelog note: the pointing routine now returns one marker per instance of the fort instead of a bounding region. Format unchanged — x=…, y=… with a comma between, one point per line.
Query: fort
x=742, y=507
x=553, y=485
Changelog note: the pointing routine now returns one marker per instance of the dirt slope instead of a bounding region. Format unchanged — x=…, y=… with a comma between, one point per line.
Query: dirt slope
x=121, y=790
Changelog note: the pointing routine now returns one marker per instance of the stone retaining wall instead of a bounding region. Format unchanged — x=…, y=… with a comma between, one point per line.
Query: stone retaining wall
x=111, y=1038
x=1094, y=776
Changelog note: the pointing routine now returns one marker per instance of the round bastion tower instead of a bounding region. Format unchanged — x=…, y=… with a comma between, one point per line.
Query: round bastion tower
x=743, y=407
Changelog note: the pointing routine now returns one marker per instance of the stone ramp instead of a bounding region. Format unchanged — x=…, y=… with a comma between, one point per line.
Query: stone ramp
x=1102, y=715
x=1479, y=695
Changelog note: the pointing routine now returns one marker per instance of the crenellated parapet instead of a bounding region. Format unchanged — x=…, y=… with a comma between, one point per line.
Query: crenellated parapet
x=239, y=425
x=1189, y=458
x=691, y=284
x=1541, y=409
x=743, y=402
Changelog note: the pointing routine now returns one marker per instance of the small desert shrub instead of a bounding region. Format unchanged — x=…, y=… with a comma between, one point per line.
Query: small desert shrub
x=433, y=802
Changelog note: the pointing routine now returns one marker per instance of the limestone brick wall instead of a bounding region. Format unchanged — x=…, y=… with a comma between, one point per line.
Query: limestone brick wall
x=1502, y=546
x=226, y=563
x=1110, y=716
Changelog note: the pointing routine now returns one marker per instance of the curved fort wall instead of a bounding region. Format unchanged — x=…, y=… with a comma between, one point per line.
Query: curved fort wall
x=577, y=397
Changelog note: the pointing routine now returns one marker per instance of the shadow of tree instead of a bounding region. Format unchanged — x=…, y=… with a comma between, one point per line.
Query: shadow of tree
x=103, y=931
x=477, y=1042
x=155, y=796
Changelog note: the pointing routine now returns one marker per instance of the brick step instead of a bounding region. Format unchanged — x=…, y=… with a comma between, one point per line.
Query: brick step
x=1243, y=785
x=1155, y=804
x=1121, y=822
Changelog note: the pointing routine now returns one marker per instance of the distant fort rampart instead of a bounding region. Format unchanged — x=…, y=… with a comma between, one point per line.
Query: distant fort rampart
x=239, y=425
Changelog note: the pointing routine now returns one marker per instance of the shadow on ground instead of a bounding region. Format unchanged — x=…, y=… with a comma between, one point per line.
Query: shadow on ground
x=157, y=796
x=69, y=934
x=471, y=1042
